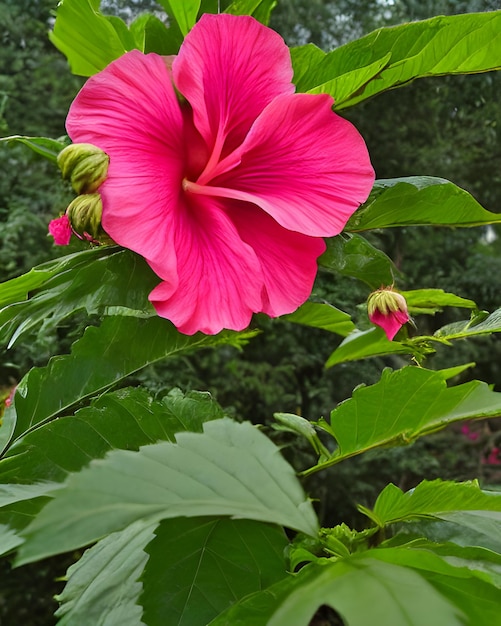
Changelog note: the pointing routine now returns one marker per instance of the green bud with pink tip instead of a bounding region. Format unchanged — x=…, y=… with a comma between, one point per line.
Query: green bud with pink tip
x=84, y=214
x=388, y=309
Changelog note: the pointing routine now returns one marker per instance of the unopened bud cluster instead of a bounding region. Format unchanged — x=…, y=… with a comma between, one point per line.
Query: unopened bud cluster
x=86, y=167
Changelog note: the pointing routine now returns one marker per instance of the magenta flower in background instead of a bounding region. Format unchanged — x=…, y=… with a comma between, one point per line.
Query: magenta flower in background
x=470, y=434
x=60, y=229
x=228, y=188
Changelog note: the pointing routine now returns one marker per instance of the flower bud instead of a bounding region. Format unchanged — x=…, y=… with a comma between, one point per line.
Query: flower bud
x=85, y=165
x=60, y=229
x=84, y=214
x=388, y=309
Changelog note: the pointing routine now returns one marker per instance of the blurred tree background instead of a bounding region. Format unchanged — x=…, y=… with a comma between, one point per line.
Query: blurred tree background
x=447, y=127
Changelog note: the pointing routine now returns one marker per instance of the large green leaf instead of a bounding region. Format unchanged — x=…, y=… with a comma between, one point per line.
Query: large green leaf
x=469, y=589
x=21, y=288
x=198, y=567
x=404, y=405
x=260, y=9
x=354, y=256
x=419, y=200
x=433, y=300
x=88, y=39
x=365, y=589
x=322, y=315
x=391, y=57
x=481, y=559
x=184, y=13
x=461, y=528
x=229, y=469
x=103, y=585
x=435, y=498
x=362, y=344
x=95, y=281
x=318, y=72
x=481, y=324
x=125, y=420
x=151, y=35
x=43, y=146
x=104, y=356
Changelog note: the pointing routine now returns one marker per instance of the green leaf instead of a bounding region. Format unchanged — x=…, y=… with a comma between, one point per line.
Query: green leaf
x=364, y=344
x=151, y=35
x=295, y=424
x=434, y=498
x=451, y=372
x=103, y=585
x=433, y=300
x=462, y=528
x=362, y=589
x=88, y=39
x=316, y=72
x=9, y=539
x=404, y=405
x=322, y=315
x=354, y=256
x=469, y=590
x=198, y=567
x=19, y=492
x=102, y=280
x=259, y=9
x=126, y=37
x=481, y=560
x=476, y=325
x=125, y=419
x=103, y=357
x=391, y=57
x=15, y=517
x=419, y=200
x=229, y=469
x=184, y=13
x=48, y=148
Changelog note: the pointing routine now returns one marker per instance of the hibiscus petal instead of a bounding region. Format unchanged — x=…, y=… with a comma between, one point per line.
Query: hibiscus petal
x=391, y=323
x=288, y=259
x=130, y=110
x=220, y=278
x=301, y=163
x=229, y=68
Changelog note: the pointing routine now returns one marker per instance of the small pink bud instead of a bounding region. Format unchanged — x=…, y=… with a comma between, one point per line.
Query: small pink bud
x=388, y=309
x=60, y=229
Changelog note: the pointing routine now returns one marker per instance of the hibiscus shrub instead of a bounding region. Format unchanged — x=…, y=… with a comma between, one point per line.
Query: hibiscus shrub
x=213, y=174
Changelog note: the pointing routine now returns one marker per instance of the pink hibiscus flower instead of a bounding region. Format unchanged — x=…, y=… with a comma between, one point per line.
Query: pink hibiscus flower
x=220, y=176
